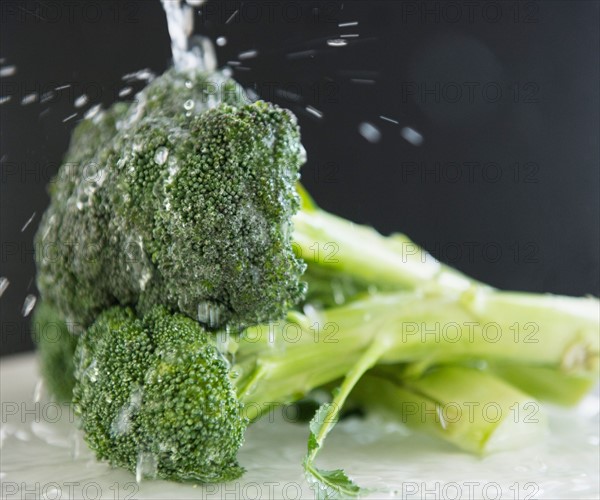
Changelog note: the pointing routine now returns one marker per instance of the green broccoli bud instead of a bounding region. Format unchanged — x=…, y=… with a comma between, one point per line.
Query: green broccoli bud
x=154, y=397
x=187, y=209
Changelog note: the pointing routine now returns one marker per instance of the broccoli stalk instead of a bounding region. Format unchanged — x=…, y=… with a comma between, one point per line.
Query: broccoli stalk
x=558, y=385
x=470, y=408
x=337, y=249
x=569, y=343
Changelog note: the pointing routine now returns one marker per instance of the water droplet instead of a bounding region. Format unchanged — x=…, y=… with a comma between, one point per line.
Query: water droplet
x=188, y=105
x=412, y=136
x=387, y=119
x=28, y=304
x=337, y=42
x=70, y=117
x=209, y=313
x=161, y=155
x=125, y=91
x=314, y=111
x=146, y=465
x=252, y=95
x=38, y=390
x=29, y=98
x=370, y=132
x=249, y=54
x=8, y=71
x=3, y=285
x=91, y=372
x=46, y=96
x=28, y=222
x=221, y=41
x=142, y=74
x=93, y=111
x=144, y=279
x=81, y=101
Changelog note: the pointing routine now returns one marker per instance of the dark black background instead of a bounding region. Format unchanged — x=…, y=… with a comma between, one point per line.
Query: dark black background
x=504, y=187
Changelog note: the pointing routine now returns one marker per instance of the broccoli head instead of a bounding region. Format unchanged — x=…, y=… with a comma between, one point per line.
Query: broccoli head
x=187, y=209
x=154, y=396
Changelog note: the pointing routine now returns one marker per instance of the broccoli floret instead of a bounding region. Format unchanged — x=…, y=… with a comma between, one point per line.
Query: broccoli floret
x=56, y=347
x=187, y=209
x=154, y=397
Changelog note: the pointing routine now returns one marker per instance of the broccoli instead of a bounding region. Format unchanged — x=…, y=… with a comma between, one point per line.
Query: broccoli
x=163, y=397
x=465, y=406
x=154, y=397
x=176, y=242
x=191, y=212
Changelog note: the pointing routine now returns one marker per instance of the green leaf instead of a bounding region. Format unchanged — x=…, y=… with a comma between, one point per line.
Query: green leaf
x=332, y=484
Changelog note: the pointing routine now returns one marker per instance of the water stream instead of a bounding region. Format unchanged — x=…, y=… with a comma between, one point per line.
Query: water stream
x=189, y=51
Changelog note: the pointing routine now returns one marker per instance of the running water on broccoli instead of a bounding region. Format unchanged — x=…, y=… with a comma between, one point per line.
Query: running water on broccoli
x=176, y=249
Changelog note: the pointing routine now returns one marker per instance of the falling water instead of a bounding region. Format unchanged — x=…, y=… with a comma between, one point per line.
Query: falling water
x=189, y=51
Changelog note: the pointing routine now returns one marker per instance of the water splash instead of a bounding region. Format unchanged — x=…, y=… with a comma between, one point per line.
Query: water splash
x=29, y=98
x=4, y=282
x=8, y=71
x=314, y=111
x=161, y=155
x=388, y=119
x=370, y=132
x=412, y=136
x=28, y=305
x=81, y=101
x=189, y=51
x=28, y=221
x=69, y=118
x=146, y=467
x=337, y=42
x=209, y=313
x=93, y=111
x=248, y=54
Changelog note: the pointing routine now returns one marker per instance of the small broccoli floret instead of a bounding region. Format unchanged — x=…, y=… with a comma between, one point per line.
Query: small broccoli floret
x=177, y=206
x=56, y=346
x=154, y=396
